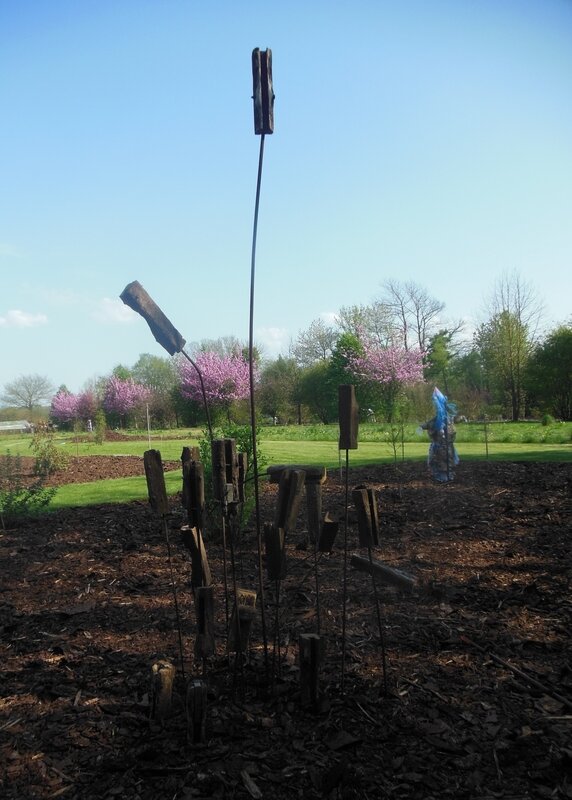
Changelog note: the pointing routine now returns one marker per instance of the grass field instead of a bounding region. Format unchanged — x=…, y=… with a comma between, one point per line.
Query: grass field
x=316, y=444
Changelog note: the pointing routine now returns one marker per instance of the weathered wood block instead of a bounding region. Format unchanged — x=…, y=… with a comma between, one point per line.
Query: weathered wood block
x=200, y=570
x=232, y=467
x=262, y=91
x=328, y=534
x=365, y=501
x=196, y=711
x=162, y=677
x=348, y=417
x=205, y=639
x=135, y=296
x=289, y=498
x=193, y=498
x=218, y=457
x=242, y=470
x=275, y=554
x=384, y=573
x=156, y=482
x=311, y=655
x=314, y=509
x=242, y=617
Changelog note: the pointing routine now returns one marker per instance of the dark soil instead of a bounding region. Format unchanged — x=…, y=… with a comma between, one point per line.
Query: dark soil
x=476, y=700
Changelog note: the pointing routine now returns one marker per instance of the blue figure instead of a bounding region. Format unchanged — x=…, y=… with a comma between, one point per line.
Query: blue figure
x=442, y=452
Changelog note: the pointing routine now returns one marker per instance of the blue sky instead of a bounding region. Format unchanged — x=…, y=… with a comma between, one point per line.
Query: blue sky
x=423, y=141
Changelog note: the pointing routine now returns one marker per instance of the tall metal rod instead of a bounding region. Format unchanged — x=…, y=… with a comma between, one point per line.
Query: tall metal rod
x=203, y=392
x=252, y=403
x=174, y=590
x=345, y=579
x=380, y=626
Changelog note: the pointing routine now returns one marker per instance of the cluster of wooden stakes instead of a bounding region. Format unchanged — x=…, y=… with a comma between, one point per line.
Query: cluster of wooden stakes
x=229, y=469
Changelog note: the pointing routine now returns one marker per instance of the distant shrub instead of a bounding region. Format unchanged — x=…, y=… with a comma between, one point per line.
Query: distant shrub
x=49, y=458
x=17, y=498
x=547, y=419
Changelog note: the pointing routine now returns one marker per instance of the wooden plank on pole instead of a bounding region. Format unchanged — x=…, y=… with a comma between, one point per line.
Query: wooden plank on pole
x=242, y=470
x=162, y=677
x=194, y=492
x=348, y=417
x=218, y=456
x=232, y=468
x=156, y=482
x=196, y=711
x=366, y=507
x=135, y=296
x=243, y=614
x=374, y=513
x=289, y=498
x=384, y=573
x=275, y=554
x=205, y=638
x=311, y=654
x=200, y=570
x=314, y=508
x=328, y=534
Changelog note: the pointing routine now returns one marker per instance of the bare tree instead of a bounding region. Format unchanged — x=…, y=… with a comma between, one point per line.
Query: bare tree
x=375, y=320
x=416, y=315
x=27, y=391
x=505, y=341
x=314, y=344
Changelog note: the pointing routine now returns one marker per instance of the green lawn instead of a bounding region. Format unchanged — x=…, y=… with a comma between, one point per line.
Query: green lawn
x=307, y=445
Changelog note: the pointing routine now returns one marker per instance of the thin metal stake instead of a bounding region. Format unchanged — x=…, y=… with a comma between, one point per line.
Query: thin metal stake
x=345, y=579
x=166, y=532
x=252, y=406
x=381, y=636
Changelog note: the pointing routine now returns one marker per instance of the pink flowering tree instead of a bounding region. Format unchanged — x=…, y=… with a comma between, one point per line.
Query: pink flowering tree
x=390, y=370
x=64, y=407
x=225, y=377
x=124, y=397
x=87, y=405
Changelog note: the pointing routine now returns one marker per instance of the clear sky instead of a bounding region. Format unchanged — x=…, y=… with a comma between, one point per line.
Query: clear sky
x=423, y=140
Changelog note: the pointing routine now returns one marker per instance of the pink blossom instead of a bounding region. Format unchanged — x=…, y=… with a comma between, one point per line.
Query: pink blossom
x=390, y=365
x=226, y=378
x=86, y=405
x=64, y=406
x=122, y=396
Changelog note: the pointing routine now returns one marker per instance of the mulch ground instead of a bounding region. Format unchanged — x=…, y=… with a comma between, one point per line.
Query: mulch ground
x=475, y=700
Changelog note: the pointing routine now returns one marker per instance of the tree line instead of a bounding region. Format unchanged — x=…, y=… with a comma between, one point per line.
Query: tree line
x=393, y=350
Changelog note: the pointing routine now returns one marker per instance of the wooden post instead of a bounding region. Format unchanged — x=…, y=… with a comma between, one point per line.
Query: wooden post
x=384, y=573
x=365, y=502
x=242, y=616
x=193, y=498
x=162, y=677
x=135, y=296
x=275, y=554
x=205, y=639
x=232, y=467
x=242, y=470
x=314, y=504
x=190, y=454
x=289, y=497
x=311, y=653
x=218, y=454
x=200, y=570
x=196, y=711
x=156, y=482
x=348, y=417
x=328, y=534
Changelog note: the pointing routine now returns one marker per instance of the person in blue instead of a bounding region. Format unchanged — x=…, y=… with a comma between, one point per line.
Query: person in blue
x=442, y=457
